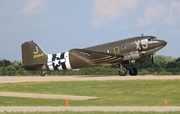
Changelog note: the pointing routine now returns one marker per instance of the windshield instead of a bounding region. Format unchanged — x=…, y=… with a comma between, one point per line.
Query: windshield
x=153, y=38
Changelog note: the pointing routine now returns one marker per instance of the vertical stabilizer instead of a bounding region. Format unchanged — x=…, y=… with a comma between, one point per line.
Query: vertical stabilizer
x=33, y=57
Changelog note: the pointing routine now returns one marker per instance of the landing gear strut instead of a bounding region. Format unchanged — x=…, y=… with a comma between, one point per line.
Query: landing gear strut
x=43, y=72
x=122, y=71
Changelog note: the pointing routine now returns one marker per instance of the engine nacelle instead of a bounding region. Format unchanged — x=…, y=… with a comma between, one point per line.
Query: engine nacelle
x=137, y=56
x=132, y=56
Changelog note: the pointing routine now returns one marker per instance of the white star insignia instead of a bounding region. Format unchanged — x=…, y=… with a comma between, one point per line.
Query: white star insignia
x=56, y=62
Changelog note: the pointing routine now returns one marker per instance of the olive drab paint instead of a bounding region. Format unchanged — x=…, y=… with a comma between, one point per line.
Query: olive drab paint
x=127, y=51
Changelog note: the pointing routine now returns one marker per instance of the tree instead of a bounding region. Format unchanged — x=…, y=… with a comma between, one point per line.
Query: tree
x=151, y=70
x=4, y=63
x=171, y=64
x=10, y=70
x=143, y=72
x=17, y=64
x=162, y=60
x=178, y=64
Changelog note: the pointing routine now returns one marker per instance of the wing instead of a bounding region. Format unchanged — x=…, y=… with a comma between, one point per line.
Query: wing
x=96, y=58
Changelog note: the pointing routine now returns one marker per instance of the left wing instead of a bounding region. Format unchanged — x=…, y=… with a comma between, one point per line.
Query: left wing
x=96, y=58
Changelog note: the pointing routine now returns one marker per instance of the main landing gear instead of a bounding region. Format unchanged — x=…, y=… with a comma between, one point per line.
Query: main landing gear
x=123, y=71
x=133, y=71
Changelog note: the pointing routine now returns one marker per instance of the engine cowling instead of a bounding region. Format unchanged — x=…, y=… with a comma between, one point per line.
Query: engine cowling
x=134, y=55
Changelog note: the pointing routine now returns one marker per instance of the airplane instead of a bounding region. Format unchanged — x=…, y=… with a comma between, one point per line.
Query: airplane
x=126, y=51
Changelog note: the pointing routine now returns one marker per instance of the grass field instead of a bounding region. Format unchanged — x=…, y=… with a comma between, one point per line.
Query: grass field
x=111, y=93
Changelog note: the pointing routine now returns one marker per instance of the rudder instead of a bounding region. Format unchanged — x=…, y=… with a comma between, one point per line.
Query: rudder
x=33, y=57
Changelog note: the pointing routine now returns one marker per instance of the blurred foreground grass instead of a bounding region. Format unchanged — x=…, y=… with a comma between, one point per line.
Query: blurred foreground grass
x=111, y=93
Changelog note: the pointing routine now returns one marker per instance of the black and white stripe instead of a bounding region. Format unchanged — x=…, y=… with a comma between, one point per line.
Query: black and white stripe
x=59, y=61
x=63, y=64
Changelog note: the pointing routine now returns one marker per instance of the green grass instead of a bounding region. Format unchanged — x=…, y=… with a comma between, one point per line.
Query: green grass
x=111, y=93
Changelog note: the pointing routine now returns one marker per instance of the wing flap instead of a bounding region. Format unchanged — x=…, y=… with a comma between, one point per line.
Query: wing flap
x=96, y=58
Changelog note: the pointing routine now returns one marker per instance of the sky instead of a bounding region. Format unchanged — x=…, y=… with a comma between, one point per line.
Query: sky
x=60, y=25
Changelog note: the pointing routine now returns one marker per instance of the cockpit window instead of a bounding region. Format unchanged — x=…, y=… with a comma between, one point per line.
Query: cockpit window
x=153, y=38
x=149, y=40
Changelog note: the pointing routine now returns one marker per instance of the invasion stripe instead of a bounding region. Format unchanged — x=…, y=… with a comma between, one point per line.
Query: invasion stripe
x=63, y=64
x=49, y=62
x=68, y=65
x=55, y=68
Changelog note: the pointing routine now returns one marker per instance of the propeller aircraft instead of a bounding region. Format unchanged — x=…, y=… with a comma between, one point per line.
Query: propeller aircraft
x=126, y=51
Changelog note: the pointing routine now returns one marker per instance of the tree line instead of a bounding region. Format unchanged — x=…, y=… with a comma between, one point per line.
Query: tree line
x=163, y=65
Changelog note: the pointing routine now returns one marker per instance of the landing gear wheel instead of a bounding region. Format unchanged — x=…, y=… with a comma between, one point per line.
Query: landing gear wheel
x=122, y=72
x=133, y=71
x=42, y=74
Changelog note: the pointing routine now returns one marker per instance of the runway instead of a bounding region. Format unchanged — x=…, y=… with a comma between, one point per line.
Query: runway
x=88, y=108
x=17, y=79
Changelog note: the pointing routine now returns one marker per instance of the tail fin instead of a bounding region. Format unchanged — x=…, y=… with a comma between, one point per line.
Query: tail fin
x=33, y=57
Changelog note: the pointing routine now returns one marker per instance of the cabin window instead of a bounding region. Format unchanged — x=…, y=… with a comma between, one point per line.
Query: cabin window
x=124, y=47
x=116, y=50
x=108, y=51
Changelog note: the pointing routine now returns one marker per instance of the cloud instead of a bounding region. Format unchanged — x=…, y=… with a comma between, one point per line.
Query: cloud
x=158, y=14
x=154, y=13
x=33, y=7
x=105, y=11
x=12, y=19
x=174, y=13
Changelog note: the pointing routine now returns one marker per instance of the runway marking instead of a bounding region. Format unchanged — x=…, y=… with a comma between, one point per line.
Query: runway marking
x=45, y=96
x=88, y=108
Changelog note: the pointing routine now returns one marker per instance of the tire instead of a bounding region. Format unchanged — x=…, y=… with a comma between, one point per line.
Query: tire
x=122, y=72
x=133, y=71
x=42, y=74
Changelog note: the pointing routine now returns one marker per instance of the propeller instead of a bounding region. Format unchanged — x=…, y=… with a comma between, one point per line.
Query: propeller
x=152, y=59
x=141, y=55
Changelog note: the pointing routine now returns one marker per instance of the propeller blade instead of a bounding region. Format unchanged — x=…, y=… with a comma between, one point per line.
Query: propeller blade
x=153, y=59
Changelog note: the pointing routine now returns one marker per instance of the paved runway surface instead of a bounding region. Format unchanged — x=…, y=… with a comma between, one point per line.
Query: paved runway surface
x=14, y=79
x=89, y=108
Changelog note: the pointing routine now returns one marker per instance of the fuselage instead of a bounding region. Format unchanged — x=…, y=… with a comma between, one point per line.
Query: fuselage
x=132, y=49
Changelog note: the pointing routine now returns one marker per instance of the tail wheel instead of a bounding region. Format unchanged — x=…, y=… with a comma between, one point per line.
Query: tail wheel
x=122, y=72
x=43, y=73
x=133, y=71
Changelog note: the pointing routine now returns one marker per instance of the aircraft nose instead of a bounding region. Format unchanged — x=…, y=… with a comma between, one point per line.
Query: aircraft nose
x=162, y=43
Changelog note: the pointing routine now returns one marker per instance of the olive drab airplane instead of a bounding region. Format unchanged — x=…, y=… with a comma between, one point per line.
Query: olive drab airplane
x=127, y=51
